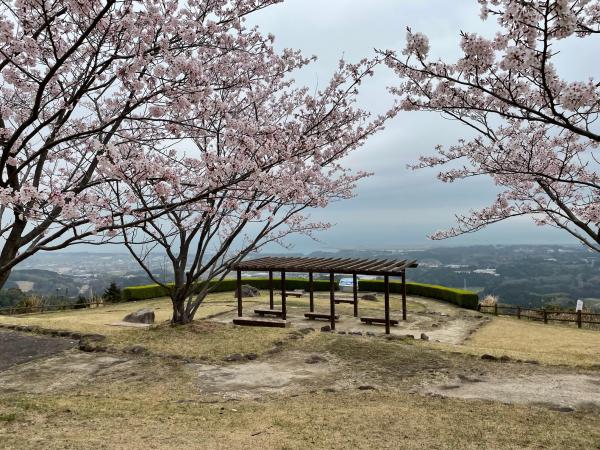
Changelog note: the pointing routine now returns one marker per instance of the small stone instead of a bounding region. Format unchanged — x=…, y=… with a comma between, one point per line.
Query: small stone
x=306, y=330
x=531, y=361
x=248, y=291
x=424, y=337
x=341, y=332
x=144, y=315
x=233, y=357
x=135, y=349
x=435, y=325
x=315, y=359
x=295, y=336
x=88, y=347
x=93, y=337
x=487, y=357
x=274, y=350
x=369, y=297
x=251, y=356
x=505, y=358
x=356, y=333
x=562, y=408
x=370, y=333
x=326, y=328
x=366, y=387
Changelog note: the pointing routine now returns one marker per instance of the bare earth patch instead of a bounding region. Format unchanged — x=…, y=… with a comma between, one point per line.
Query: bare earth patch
x=576, y=391
x=286, y=373
x=16, y=348
x=63, y=372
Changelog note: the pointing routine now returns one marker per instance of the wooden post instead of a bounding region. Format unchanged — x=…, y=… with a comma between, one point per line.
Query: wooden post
x=271, y=302
x=283, y=296
x=311, y=292
x=545, y=316
x=239, y=292
x=579, y=319
x=495, y=309
x=355, y=284
x=403, y=295
x=518, y=312
x=386, y=284
x=332, y=300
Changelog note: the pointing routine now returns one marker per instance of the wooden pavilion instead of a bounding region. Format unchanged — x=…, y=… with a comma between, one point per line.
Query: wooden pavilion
x=350, y=266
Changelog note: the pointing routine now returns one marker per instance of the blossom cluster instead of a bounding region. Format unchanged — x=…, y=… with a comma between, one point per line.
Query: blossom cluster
x=537, y=132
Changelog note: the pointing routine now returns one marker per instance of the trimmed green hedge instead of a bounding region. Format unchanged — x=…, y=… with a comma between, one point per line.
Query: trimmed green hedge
x=460, y=297
x=153, y=290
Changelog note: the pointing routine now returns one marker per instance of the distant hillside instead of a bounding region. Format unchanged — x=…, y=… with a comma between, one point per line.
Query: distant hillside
x=61, y=287
x=520, y=275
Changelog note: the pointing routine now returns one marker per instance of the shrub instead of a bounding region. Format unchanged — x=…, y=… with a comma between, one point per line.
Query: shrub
x=29, y=304
x=460, y=297
x=489, y=300
x=112, y=294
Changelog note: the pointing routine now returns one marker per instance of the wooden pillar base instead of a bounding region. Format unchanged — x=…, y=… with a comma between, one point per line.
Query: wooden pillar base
x=332, y=300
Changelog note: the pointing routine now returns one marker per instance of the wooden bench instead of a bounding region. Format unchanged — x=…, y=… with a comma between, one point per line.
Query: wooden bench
x=254, y=322
x=313, y=316
x=343, y=300
x=294, y=293
x=372, y=320
x=268, y=312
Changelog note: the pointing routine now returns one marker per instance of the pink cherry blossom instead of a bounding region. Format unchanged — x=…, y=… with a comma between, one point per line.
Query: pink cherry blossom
x=537, y=133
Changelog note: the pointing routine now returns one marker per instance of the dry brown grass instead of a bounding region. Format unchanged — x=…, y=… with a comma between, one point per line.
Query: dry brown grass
x=161, y=406
x=164, y=410
x=489, y=300
x=546, y=343
x=202, y=339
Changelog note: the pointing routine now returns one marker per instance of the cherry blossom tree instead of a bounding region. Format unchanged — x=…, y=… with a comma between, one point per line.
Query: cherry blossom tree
x=536, y=133
x=290, y=144
x=91, y=94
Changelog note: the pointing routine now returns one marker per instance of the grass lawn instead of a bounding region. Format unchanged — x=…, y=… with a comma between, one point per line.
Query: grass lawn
x=162, y=408
x=159, y=403
x=546, y=343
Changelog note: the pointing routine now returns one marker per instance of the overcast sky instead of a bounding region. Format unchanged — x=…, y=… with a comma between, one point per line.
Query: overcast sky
x=397, y=207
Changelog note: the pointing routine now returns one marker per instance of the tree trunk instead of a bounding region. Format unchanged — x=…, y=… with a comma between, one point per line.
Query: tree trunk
x=4, y=277
x=10, y=250
x=180, y=314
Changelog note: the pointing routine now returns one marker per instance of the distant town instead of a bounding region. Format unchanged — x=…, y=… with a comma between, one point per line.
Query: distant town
x=519, y=275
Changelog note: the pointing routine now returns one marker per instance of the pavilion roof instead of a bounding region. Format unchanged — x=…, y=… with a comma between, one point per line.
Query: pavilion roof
x=327, y=265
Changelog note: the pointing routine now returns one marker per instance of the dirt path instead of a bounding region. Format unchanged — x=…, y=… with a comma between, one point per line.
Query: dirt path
x=441, y=321
x=16, y=348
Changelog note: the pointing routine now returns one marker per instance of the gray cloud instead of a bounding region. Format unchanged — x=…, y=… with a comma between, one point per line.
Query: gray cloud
x=398, y=207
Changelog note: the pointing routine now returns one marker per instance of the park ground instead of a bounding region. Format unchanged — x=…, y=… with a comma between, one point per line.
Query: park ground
x=214, y=385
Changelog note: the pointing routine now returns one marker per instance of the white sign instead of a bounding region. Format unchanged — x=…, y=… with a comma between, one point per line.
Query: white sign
x=579, y=306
